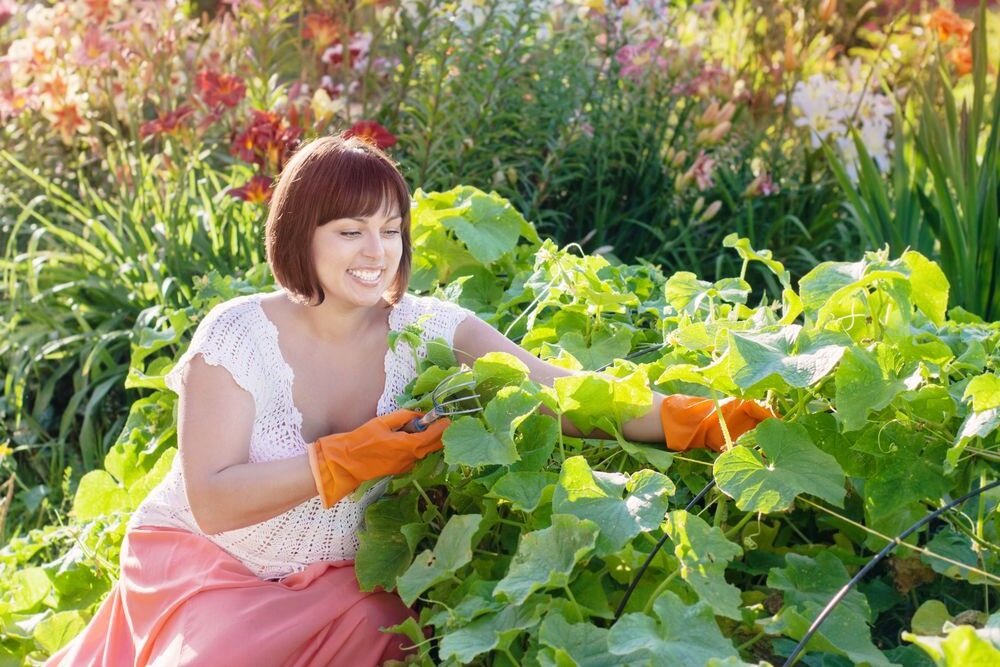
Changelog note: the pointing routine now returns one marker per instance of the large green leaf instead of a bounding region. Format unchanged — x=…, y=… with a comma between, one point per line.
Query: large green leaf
x=808, y=584
x=467, y=442
x=704, y=553
x=488, y=632
x=797, y=358
x=385, y=551
x=452, y=551
x=787, y=465
x=98, y=495
x=864, y=385
x=620, y=505
x=546, y=558
x=684, y=635
x=524, y=490
x=584, y=644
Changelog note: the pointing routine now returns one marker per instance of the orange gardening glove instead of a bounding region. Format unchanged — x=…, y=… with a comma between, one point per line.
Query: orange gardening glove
x=690, y=422
x=340, y=462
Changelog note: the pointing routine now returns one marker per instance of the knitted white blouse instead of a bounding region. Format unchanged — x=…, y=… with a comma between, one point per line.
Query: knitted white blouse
x=238, y=336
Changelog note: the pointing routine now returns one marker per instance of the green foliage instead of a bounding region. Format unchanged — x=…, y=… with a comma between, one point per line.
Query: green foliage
x=515, y=532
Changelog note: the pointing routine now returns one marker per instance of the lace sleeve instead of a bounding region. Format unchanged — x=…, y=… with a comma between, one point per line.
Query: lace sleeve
x=227, y=337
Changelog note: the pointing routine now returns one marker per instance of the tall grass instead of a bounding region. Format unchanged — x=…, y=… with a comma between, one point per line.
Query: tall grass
x=79, y=270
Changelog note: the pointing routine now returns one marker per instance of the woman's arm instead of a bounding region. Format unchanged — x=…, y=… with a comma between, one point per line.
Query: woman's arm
x=474, y=338
x=215, y=421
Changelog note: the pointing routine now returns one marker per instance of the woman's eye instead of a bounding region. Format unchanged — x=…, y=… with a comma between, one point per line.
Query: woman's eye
x=350, y=235
x=391, y=232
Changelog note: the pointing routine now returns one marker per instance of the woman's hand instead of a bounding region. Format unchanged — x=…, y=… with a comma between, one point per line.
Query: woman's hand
x=690, y=422
x=341, y=462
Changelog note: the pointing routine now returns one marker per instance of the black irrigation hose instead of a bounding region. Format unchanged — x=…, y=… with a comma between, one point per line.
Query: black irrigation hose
x=872, y=563
x=656, y=549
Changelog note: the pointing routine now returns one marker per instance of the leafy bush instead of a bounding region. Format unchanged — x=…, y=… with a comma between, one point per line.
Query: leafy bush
x=517, y=543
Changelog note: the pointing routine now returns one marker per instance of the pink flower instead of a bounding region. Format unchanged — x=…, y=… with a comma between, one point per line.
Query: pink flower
x=636, y=60
x=701, y=171
x=7, y=9
x=94, y=49
x=371, y=132
x=761, y=186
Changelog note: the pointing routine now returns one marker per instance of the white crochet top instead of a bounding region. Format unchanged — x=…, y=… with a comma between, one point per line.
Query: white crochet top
x=238, y=336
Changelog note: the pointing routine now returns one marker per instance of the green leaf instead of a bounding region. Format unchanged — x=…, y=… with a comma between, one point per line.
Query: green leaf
x=525, y=491
x=929, y=618
x=510, y=407
x=605, y=346
x=488, y=226
x=27, y=588
x=799, y=359
x=546, y=558
x=984, y=390
x=893, y=493
x=793, y=465
x=964, y=645
x=594, y=401
x=385, y=552
x=467, y=442
x=956, y=547
x=59, y=629
x=929, y=286
x=704, y=553
x=98, y=495
x=684, y=635
x=495, y=370
x=863, y=385
x=583, y=643
x=488, y=632
x=808, y=585
x=452, y=551
x=742, y=247
x=621, y=506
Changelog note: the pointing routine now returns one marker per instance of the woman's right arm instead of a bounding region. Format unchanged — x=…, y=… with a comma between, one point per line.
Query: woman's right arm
x=226, y=491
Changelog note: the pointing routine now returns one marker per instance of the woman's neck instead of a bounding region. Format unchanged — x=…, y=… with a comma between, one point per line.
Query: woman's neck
x=331, y=322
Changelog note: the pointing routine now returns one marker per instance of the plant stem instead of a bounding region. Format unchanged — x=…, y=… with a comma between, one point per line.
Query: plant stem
x=659, y=589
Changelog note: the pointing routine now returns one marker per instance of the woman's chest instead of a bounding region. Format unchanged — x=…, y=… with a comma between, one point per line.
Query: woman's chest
x=336, y=391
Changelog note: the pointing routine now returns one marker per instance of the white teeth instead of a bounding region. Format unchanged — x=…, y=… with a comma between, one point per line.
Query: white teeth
x=366, y=276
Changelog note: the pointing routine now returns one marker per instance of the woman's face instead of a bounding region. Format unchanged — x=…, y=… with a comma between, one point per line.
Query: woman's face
x=357, y=258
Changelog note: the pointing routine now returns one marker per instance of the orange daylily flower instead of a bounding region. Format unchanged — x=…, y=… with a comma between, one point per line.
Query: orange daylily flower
x=961, y=58
x=948, y=23
x=166, y=123
x=321, y=29
x=371, y=132
x=218, y=90
x=256, y=191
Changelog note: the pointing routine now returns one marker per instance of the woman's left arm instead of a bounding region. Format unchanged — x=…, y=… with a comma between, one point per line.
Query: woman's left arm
x=474, y=338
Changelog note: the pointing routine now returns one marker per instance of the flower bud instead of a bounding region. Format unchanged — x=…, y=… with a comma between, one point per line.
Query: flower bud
x=678, y=160
x=698, y=205
x=727, y=112
x=827, y=8
x=719, y=131
x=712, y=210
x=709, y=116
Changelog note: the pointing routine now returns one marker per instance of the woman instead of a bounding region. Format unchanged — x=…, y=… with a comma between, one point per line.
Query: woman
x=244, y=553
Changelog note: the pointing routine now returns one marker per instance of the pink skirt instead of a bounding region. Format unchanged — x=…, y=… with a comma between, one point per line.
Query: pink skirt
x=181, y=600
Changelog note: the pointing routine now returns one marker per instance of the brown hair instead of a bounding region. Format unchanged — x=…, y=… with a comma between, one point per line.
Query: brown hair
x=327, y=179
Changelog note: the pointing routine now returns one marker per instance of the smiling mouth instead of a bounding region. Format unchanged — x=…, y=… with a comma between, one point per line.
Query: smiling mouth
x=367, y=276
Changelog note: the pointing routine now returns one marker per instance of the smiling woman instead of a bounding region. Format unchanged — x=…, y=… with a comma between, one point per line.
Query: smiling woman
x=287, y=403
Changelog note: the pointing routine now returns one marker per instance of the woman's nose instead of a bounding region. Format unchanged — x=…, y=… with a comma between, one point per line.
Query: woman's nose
x=373, y=244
